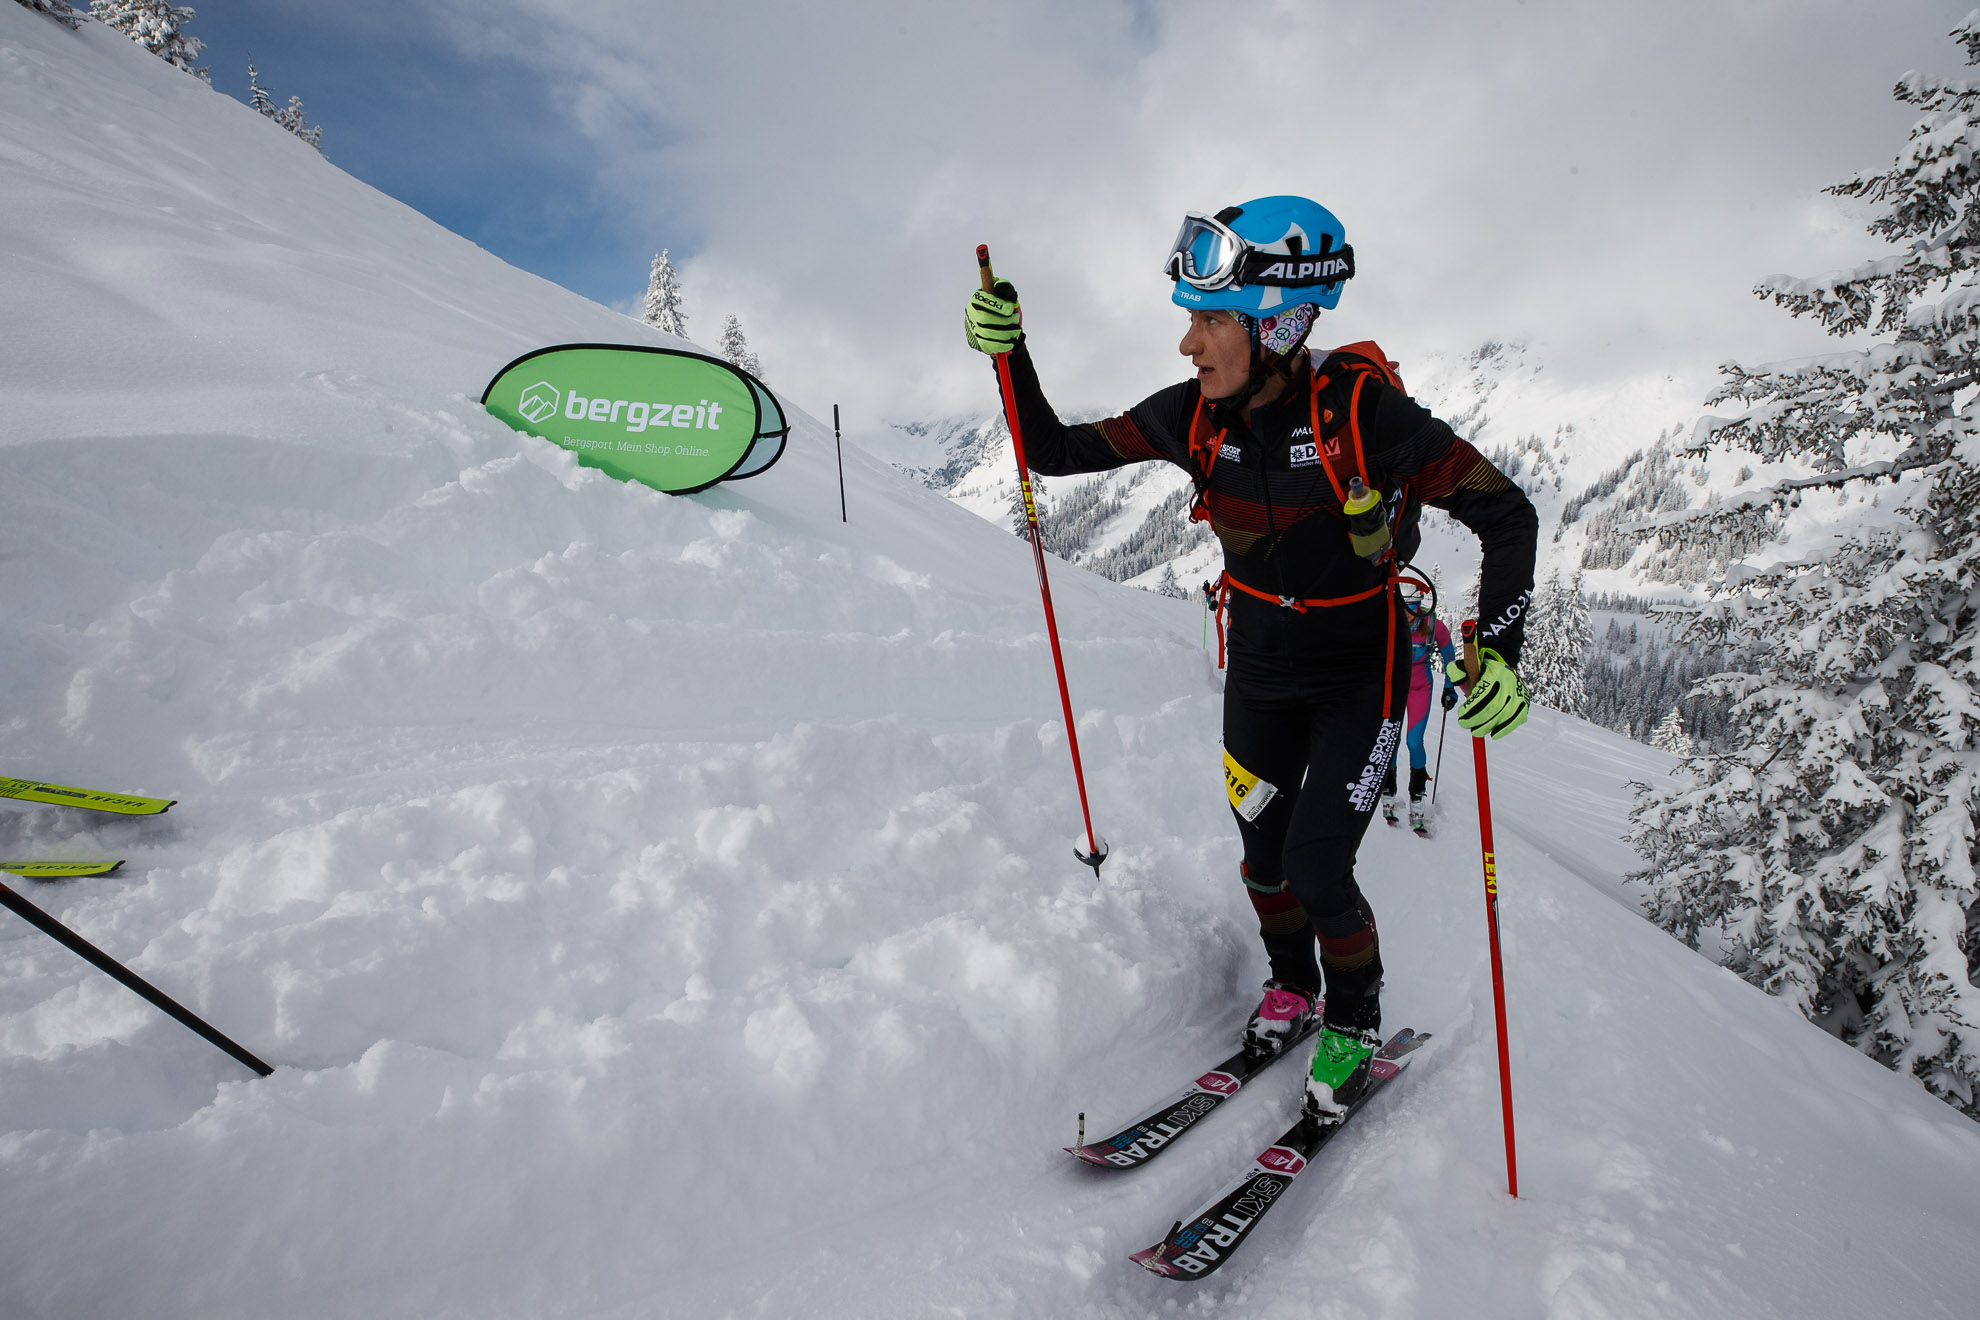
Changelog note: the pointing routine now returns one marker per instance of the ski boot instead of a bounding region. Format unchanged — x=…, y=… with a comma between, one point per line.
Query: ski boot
x=1281, y=1018
x=1341, y=1057
x=1389, y=808
x=1419, y=779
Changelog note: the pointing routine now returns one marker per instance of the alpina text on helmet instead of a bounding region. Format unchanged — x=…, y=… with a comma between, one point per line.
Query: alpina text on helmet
x=1306, y=270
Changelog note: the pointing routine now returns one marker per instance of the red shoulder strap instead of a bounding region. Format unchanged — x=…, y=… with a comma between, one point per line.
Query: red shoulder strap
x=1202, y=458
x=1363, y=359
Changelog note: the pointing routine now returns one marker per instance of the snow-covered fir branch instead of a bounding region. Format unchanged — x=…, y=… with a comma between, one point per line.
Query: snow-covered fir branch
x=60, y=10
x=157, y=25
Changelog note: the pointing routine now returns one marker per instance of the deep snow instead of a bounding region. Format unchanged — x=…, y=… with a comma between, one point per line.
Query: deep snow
x=664, y=906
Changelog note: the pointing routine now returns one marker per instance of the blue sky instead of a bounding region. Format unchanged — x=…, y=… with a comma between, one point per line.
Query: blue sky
x=404, y=109
x=1604, y=182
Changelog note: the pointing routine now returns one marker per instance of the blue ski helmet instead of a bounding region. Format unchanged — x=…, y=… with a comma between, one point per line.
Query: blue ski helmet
x=1261, y=258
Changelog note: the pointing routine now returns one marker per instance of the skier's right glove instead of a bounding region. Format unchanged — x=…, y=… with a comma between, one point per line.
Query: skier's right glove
x=1497, y=702
x=991, y=320
x=1450, y=697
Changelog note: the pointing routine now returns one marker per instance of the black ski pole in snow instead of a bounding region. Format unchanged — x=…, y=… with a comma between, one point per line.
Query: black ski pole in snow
x=841, y=451
x=47, y=925
x=1097, y=850
x=1443, y=726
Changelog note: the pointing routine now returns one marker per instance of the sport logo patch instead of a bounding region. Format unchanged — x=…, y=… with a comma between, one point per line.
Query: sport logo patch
x=1508, y=616
x=1230, y=451
x=1305, y=455
x=1282, y=1159
x=1221, y=1083
x=1363, y=791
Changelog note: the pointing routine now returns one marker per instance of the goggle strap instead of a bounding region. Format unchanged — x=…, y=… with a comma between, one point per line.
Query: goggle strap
x=1328, y=266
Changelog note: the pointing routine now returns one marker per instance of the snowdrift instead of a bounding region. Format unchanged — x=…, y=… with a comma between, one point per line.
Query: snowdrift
x=664, y=906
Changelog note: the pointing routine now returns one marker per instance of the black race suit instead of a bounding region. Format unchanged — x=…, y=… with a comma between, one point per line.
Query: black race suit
x=1306, y=705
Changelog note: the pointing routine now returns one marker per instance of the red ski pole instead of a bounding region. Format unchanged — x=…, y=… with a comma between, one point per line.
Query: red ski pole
x=1471, y=668
x=1096, y=850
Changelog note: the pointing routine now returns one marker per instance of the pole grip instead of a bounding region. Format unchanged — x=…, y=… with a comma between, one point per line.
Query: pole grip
x=1472, y=664
x=983, y=270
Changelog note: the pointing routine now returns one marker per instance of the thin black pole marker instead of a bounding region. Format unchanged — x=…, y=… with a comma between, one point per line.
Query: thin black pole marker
x=47, y=925
x=1442, y=725
x=842, y=462
x=1097, y=851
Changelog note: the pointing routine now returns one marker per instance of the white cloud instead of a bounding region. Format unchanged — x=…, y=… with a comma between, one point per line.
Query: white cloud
x=1607, y=180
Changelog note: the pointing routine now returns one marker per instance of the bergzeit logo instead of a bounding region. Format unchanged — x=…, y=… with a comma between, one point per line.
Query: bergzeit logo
x=640, y=415
x=539, y=401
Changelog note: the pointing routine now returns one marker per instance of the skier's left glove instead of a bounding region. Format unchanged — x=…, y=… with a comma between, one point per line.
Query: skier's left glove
x=1497, y=702
x=1450, y=697
x=992, y=322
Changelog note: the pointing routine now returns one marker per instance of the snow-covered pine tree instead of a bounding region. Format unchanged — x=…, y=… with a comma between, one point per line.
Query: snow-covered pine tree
x=1539, y=658
x=665, y=309
x=1167, y=585
x=258, y=97
x=59, y=10
x=735, y=348
x=1559, y=639
x=157, y=25
x=1466, y=605
x=1670, y=736
x=1834, y=843
x=290, y=117
x=1575, y=638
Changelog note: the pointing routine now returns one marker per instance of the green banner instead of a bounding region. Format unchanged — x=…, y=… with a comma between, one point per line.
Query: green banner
x=675, y=421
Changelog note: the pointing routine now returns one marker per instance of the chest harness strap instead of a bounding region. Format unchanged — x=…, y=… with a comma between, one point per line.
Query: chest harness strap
x=1204, y=458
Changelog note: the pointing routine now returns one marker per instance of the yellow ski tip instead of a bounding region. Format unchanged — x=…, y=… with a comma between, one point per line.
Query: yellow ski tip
x=89, y=799
x=59, y=870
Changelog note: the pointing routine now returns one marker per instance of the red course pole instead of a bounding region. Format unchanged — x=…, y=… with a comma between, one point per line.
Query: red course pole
x=1096, y=850
x=1471, y=667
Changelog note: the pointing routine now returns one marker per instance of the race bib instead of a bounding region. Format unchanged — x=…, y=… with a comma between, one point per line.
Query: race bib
x=1249, y=794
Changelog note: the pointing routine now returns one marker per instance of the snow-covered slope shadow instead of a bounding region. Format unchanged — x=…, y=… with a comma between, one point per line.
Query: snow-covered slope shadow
x=665, y=906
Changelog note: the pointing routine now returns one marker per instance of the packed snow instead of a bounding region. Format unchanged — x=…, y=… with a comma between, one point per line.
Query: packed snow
x=664, y=906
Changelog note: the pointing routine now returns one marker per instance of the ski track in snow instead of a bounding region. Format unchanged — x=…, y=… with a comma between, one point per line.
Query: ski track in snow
x=664, y=906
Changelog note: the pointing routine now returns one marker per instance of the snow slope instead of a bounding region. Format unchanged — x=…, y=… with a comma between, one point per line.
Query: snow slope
x=663, y=906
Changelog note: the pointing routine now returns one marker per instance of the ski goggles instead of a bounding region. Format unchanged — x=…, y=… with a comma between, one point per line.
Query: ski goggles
x=1209, y=255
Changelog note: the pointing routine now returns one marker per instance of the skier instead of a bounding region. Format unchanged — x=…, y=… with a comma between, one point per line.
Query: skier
x=1290, y=452
x=1427, y=636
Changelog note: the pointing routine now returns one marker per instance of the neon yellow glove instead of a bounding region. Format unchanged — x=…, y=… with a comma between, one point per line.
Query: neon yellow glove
x=991, y=321
x=1497, y=703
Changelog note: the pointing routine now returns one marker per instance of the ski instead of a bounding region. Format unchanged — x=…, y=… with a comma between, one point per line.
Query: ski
x=1151, y=1134
x=89, y=799
x=1198, y=1245
x=59, y=870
